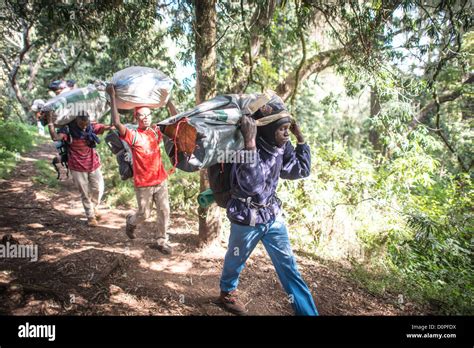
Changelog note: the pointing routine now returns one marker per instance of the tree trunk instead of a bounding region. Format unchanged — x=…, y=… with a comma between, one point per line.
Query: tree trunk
x=34, y=67
x=316, y=63
x=205, y=56
x=260, y=20
x=424, y=114
x=24, y=103
x=13, y=70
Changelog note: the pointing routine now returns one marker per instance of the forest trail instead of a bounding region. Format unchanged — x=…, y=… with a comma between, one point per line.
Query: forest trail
x=99, y=271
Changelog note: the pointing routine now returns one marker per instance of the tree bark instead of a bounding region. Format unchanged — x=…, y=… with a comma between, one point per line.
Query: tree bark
x=13, y=71
x=424, y=114
x=313, y=65
x=205, y=56
x=261, y=19
x=34, y=68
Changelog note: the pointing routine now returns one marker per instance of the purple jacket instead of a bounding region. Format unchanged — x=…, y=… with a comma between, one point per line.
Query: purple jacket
x=253, y=186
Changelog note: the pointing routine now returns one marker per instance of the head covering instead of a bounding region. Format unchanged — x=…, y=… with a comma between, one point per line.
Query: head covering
x=275, y=107
x=70, y=83
x=37, y=105
x=88, y=134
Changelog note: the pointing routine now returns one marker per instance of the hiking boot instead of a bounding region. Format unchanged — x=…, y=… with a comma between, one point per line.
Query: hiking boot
x=165, y=248
x=92, y=222
x=230, y=302
x=130, y=229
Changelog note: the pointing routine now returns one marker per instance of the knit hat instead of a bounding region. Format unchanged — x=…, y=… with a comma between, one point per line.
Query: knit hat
x=57, y=85
x=274, y=111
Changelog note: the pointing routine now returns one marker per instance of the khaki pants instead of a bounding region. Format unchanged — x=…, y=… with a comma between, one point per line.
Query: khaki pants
x=91, y=187
x=145, y=198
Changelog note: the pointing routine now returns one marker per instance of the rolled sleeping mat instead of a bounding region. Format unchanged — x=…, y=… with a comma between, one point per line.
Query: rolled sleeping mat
x=206, y=198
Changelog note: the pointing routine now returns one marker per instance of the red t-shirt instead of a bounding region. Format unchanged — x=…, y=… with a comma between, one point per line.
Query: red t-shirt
x=81, y=157
x=148, y=169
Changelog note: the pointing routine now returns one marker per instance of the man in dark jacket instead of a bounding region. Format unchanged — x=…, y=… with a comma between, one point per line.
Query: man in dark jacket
x=255, y=211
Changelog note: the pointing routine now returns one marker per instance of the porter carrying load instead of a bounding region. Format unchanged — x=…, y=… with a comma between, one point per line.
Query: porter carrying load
x=65, y=106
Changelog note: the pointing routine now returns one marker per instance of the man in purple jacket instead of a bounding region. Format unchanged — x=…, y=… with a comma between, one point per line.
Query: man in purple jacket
x=255, y=211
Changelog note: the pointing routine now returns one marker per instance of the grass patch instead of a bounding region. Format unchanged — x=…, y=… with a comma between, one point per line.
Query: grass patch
x=8, y=162
x=122, y=194
x=375, y=280
x=15, y=139
x=118, y=193
x=444, y=300
x=46, y=175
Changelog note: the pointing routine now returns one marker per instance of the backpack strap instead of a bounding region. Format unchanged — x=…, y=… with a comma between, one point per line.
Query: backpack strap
x=135, y=137
x=175, y=142
x=158, y=136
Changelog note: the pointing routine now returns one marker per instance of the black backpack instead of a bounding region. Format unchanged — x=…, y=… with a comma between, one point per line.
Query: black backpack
x=122, y=152
x=62, y=157
x=62, y=147
x=219, y=182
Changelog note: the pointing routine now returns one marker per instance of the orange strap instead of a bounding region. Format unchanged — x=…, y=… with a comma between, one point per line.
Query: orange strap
x=175, y=142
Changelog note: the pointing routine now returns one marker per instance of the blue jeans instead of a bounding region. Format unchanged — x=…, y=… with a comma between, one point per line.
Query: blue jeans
x=274, y=236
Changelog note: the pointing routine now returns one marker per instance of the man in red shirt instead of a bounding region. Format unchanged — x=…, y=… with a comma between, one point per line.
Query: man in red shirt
x=83, y=160
x=149, y=174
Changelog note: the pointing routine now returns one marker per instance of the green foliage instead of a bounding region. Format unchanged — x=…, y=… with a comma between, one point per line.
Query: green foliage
x=435, y=254
x=183, y=189
x=15, y=139
x=118, y=192
x=46, y=175
x=388, y=192
x=407, y=226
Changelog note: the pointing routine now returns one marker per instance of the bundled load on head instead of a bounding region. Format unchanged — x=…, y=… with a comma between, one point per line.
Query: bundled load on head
x=207, y=134
x=66, y=106
x=141, y=86
x=136, y=87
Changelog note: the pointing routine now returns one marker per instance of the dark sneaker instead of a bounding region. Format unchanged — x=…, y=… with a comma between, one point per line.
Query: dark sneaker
x=130, y=229
x=165, y=248
x=230, y=302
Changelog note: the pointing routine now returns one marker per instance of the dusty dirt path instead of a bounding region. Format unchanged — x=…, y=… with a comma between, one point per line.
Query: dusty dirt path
x=99, y=271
